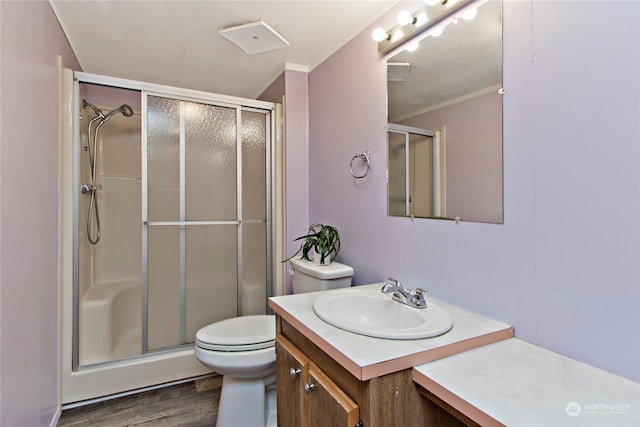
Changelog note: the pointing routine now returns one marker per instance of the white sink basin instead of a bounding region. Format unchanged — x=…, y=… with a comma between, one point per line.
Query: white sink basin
x=372, y=313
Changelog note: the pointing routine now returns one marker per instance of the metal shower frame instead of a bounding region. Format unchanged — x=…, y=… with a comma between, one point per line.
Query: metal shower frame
x=239, y=104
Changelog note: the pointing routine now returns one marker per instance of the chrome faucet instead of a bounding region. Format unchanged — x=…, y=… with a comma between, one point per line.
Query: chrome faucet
x=412, y=298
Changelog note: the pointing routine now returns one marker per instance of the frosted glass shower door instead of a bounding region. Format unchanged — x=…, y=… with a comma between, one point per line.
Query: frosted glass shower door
x=202, y=173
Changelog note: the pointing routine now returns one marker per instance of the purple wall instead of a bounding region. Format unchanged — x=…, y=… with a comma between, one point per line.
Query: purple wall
x=294, y=85
x=297, y=157
x=31, y=39
x=275, y=91
x=564, y=266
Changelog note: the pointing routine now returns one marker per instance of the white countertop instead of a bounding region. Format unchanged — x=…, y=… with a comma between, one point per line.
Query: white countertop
x=366, y=357
x=515, y=383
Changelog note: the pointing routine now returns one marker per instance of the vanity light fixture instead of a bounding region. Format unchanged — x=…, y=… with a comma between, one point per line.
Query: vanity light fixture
x=405, y=18
x=421, y=19
x=397, y=35
x=380, y=34
x=417, y=25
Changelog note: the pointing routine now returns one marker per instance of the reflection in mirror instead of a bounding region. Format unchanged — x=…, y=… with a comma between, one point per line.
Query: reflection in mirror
x=450, y=82
x=416, y=191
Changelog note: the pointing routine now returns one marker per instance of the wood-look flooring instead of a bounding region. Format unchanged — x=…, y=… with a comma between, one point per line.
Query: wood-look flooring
x=192, y=404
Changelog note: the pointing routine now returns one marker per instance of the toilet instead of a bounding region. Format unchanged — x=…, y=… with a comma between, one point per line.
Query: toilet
x=242, y=350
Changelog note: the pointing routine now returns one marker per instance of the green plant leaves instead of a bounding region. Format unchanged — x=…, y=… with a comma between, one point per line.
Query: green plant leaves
x=323, y=239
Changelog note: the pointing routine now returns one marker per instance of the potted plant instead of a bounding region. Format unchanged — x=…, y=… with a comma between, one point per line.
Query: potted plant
x=323, y=239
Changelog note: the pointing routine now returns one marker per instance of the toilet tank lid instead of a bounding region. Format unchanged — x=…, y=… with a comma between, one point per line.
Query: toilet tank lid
x=335, y=270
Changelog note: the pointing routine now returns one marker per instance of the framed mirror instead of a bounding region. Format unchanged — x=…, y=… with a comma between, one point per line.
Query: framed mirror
x=445, y=122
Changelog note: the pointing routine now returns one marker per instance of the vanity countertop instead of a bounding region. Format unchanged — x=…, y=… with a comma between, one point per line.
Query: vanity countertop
x=514, y=383
x=366, y=357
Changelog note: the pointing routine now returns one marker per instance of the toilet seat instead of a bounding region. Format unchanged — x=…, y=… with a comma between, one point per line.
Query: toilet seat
x=243, y=333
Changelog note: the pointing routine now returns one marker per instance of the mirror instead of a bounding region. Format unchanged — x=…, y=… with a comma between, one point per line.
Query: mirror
x=445, y=123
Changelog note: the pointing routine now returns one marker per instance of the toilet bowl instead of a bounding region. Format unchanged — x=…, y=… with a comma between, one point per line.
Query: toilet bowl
x=242, y=349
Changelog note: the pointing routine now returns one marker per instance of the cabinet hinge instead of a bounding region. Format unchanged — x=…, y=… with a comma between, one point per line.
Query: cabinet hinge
x=360, y=424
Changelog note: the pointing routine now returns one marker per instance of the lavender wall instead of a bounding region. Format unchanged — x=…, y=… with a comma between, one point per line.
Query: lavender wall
x=31, y=39
x=563, y=268
x=275, y=91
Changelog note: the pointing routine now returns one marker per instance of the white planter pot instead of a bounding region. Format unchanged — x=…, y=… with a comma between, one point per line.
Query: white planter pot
x=317, y=257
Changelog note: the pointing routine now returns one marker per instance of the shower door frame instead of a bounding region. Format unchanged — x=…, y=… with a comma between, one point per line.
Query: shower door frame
x=183, y=223
x=438, y=166
x=82, y=384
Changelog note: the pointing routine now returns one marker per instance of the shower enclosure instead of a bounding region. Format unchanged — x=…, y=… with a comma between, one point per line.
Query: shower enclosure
x=171, y=215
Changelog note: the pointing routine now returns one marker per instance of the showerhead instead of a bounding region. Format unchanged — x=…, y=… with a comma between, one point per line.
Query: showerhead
x=124, y=109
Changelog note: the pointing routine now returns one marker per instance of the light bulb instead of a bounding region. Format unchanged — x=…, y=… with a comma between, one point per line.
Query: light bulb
x=379, y=34
x=411, y=47
x=436, y=32
x=432, y=2
x=397, y=35
x=470, y=14
x=405, y=18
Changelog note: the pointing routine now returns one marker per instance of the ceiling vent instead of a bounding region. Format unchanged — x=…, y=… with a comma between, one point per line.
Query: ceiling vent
x=254, y=37
x=397, y=71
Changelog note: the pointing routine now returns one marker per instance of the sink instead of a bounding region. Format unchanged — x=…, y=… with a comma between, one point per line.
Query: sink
x=372, y=313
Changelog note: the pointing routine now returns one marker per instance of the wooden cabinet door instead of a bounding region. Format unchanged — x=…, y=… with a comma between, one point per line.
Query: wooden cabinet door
x=328, y=405
x=291, y=369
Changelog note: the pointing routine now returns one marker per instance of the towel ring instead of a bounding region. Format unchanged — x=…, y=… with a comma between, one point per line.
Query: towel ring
x=365, y=159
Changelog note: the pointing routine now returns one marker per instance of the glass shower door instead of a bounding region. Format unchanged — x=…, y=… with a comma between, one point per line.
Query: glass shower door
x=205, y=165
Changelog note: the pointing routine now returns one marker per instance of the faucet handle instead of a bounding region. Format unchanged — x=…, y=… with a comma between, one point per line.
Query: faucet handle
x=418, y=298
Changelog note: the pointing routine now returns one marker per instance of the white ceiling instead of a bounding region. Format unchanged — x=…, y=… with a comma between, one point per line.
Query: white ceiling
x=177, y=43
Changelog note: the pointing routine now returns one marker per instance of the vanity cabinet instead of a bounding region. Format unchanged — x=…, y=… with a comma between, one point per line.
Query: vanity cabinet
x=340, y=399
x=306, y=395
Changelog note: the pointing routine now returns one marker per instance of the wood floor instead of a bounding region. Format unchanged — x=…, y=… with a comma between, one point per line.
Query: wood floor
x=192, y=404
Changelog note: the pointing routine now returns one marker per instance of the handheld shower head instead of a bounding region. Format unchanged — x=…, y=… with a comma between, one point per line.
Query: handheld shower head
x=124, y=109
x=98, y=111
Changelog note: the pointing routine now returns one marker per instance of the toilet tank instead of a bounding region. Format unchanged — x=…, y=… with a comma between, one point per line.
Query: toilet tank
x=310, y=277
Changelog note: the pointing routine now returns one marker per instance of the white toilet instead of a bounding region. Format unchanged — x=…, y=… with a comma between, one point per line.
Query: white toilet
x=242, y=349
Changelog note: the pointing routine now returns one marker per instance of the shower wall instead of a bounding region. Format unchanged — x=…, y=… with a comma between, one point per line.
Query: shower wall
x=109, y=326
